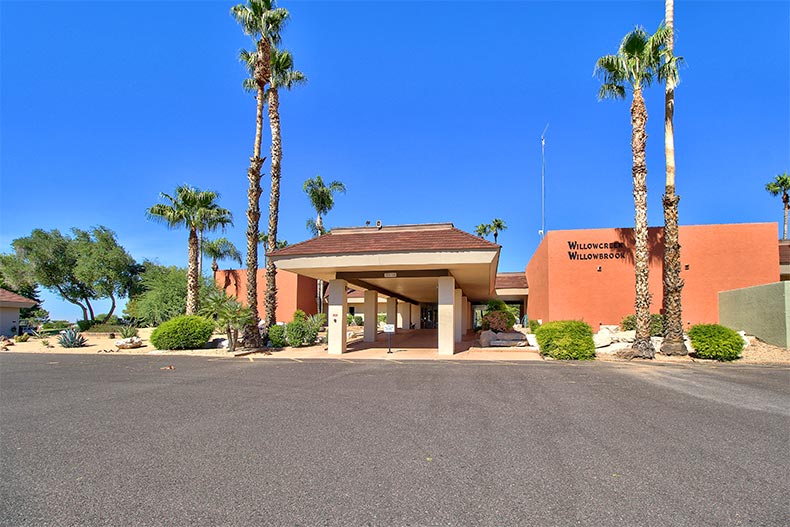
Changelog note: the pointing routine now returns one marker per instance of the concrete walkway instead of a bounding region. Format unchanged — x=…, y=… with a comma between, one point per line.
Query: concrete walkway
x=411, y=344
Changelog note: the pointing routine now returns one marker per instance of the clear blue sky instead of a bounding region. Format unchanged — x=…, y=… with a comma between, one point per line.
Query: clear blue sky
x=427, y=111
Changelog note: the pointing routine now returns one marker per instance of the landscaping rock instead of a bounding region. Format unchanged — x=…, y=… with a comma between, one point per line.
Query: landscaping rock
x=130, y=343
x=532, y=340
x=624, y=336
x=486, y=337
x=602, y=338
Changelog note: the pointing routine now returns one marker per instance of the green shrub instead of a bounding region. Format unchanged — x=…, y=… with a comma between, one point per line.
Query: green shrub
x=105, y=328
x=566, y=340
x=712, y=341
x=381, y=318
x=300, y=315
x=85, y=325
x=359, y=320
x=295, y=333
x=534, y=325
x=183, y=332
x=656, y=324
x=112, y=321
x=277, y=336
x=318, y=320
x=21, y=338
x=71, y=339
x=56, y=324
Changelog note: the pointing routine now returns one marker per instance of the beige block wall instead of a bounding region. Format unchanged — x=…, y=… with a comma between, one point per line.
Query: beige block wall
x=762, y=311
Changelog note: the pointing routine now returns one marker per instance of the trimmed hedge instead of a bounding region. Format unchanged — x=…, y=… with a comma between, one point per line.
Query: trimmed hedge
x=656, y=324
x=296, y=332
x=184, y=332
x=713, y=341
x=566, y=340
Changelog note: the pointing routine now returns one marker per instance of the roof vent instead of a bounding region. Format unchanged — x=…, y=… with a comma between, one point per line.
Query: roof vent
x=378, y=224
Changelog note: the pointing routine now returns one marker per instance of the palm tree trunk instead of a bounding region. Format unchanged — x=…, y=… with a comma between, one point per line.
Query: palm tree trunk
x=200, y=253
x=786, y=201
x=193, y=283
x=643, y=347
x=673, y=284
x=252, y=336
x=274, y=209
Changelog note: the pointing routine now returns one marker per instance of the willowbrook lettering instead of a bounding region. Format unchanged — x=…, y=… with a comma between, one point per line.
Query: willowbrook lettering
x=575, y=247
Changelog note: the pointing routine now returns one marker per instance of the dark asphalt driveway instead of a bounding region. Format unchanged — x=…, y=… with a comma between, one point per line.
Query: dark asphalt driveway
x=115, y=440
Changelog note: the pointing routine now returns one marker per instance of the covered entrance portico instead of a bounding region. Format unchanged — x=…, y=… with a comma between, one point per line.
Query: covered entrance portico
x=419, y=269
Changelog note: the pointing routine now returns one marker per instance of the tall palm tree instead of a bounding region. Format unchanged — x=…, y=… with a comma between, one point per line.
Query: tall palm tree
x=262, y=21
x=283, y=75
x=220, y=249
x=781, y=185
x=483, y=230
x=322, y=198
x=191, y=208
x=634, y=66
x=496, y=226
x=673, y=284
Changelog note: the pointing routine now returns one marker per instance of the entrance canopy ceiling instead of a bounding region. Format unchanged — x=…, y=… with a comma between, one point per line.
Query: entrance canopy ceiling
x=404, y=261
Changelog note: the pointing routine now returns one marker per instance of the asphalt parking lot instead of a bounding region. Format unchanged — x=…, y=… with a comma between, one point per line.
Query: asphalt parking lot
x=116, y=440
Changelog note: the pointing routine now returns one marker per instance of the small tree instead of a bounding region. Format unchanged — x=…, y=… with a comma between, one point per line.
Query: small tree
x=220, y=249
x=228, y=314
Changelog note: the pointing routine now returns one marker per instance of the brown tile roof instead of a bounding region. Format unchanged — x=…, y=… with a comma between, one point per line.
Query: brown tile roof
x=9, y=297
x=784, y=252
x=511, y=281
x=396, y=238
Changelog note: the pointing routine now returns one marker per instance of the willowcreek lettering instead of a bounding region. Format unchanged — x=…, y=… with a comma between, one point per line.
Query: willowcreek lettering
x=575, y=247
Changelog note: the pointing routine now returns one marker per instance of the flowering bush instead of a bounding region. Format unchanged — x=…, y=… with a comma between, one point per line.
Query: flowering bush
x=498, y=321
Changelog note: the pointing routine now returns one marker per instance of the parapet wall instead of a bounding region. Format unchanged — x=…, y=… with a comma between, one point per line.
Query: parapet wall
x=762, y=311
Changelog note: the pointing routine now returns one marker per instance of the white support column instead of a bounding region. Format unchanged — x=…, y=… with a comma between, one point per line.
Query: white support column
x=392, y=311
x=404, y=315
x=370, y=311
x=415, y=316
x=446, y=316
x=464, y=315
x=458, y=314
x=338, y=307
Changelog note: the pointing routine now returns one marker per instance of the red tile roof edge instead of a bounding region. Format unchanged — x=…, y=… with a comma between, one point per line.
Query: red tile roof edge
x=8, y=296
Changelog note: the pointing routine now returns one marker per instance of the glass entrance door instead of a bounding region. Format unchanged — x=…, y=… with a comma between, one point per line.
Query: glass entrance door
x=429, y=314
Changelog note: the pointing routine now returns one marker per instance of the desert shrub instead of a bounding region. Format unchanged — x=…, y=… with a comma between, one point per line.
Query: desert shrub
x=56, y=324
x=498, y=321
x=566, y=340
x=112, y=321
x=71, y=339
x=712, y=341
x=656, y=324
x=105, y=328
x=277, y=336
x=318, y=320
x=349, y=319
x=381, y=318
x=295, y=333
x=21, y=338
x=300, y=315
x=85, y=325
x=128, y=331
x=359, y=320
x=534, y=325
x=182, y=332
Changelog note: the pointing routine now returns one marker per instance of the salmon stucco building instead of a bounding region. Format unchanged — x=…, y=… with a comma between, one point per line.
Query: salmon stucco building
x=435, y=277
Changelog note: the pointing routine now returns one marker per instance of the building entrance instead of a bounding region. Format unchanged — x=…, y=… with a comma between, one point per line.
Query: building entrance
x=429, y=315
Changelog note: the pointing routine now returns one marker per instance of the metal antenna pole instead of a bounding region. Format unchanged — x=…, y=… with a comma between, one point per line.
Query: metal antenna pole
x=543, y=182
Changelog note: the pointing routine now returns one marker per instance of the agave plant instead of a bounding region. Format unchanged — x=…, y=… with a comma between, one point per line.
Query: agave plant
x=128, y=331
x=71, y=339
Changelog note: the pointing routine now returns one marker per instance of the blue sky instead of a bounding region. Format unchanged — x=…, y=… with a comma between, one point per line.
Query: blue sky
x=427, y=111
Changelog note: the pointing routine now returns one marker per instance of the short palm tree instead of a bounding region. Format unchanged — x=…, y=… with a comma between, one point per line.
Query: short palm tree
x=483, y=230
x=781, y=185
x=673, y=284
x=262, y=21
x=191, y=208
x=496, y=226
x=635, y=66
x=220, y=249
x=229, y=315
x=322, y=198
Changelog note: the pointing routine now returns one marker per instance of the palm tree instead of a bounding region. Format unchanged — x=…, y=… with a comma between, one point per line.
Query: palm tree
x=220, y=249
x=483, y=230
x=635, y=66
x=496, y=226
x=210, y=223
x=781, y=185
x=191, y=208
x=322, y=198
x=283, y=75
x=673, y=284
x=262, y=21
